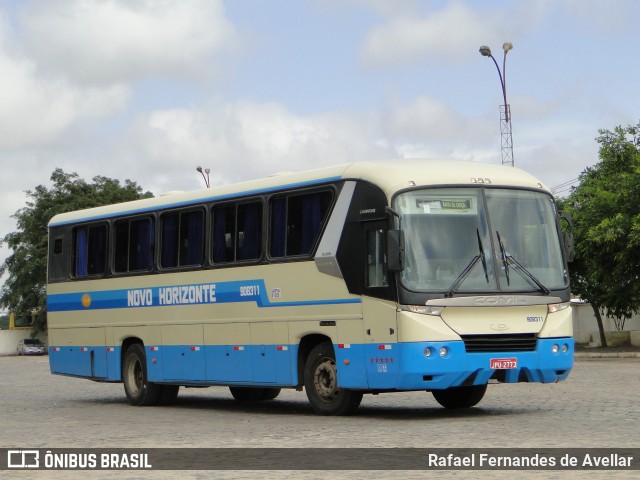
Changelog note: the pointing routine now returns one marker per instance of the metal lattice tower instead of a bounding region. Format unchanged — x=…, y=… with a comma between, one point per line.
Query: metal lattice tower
x=506, y=138
x=505, y=135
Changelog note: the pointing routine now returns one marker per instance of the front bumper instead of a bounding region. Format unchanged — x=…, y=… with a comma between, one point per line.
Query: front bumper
x=404, y=366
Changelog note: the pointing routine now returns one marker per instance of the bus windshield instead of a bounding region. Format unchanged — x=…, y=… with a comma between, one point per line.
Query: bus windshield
x=473, y=240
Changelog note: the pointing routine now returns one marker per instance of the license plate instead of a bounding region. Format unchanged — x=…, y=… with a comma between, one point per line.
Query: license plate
x=503, y=363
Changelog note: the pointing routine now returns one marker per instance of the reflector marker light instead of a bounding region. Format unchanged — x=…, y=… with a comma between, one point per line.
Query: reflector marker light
x=238, y=348
x=195, y=349
x=84, y=349
x=344, y=345
x=111, y=349
x=282, y=348
x=55, y=349
x=384, y=347
x=154, y=349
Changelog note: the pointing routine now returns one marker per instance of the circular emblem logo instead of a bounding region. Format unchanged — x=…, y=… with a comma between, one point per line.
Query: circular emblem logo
x=500, y=327
x=86, y=300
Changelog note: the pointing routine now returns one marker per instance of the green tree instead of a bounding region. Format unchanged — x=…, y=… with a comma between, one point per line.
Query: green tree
x=25, y=287
x=605, y=207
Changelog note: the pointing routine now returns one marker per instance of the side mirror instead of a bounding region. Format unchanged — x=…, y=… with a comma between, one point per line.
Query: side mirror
x=566, y=230
x=395, y=250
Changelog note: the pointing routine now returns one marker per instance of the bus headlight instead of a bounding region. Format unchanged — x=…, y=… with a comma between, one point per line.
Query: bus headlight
x=556, y=307
x=425, y=310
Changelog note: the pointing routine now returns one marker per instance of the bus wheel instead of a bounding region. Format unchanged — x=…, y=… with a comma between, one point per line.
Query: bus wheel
x=321, y=384
x=460, y=397
x=168, y=394
x=248, y=394
x=270, y=393
x=139, y=390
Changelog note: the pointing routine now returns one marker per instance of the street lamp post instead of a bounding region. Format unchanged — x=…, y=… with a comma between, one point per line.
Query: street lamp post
x=206, y=177
x=505, y=110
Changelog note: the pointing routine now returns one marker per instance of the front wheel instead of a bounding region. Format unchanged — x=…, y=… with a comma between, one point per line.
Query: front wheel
x=321, y=384
x=460, y=397
x=139, y=390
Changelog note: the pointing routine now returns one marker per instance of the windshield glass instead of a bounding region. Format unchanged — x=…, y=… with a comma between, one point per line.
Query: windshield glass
x=480, y=240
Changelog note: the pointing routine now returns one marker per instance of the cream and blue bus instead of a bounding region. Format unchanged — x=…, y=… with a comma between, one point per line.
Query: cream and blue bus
x=439, y=276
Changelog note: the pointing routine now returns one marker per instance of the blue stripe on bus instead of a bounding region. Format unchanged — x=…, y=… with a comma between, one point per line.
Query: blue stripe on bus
x=394, y=366
x=174, y=295
x=199, y=201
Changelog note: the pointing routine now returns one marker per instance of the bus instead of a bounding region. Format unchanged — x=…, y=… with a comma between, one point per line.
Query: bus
x=365, y=278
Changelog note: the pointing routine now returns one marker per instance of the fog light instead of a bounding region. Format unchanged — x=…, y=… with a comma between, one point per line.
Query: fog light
x=443, y=351
x=565, y=348
x=555, y=349
x=427, y=352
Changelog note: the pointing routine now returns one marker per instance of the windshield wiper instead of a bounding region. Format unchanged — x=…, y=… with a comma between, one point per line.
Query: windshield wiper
x=482, y=256
x=465, y=273
x=508, y=259
x=503, y=256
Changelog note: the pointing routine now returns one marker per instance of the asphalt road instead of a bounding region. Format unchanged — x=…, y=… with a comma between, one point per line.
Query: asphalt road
x=598, y=406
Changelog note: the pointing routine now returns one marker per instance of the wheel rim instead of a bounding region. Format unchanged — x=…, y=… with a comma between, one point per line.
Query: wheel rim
x=135, y=376
x=325, y=380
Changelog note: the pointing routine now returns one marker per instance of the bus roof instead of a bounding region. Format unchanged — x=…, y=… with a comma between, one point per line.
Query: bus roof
x=390, y=176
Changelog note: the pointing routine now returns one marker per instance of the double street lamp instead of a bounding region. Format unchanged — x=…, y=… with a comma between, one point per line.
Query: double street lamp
x=206, y=177
x=505, y=110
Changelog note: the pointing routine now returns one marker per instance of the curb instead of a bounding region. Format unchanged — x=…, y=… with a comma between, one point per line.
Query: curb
x=606, y=354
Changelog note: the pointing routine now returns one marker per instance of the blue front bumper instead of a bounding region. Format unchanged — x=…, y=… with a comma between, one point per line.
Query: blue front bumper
x=404, y=366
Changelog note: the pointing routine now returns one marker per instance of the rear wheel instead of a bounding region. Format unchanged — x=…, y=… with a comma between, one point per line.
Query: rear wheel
x=168, y=394
x=321, y=384
x=460, y=397
x=139, y=390
x=248, y=394
x=270, y=393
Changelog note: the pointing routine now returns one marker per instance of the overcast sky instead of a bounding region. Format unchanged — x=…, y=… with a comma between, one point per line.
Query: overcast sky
x=148, y=90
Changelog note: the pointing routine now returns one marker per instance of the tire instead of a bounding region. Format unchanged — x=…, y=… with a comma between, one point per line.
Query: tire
x=139, y=390
x=270, y=393
x=321, y=384
x=246, y=394
x=168, y=394
x=460, y=397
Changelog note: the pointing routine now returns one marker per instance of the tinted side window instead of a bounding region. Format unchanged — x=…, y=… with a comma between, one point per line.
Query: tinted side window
x=134, y=243
x=90, y=250
x=296, y=222
x=237, y=232
x=182, y=239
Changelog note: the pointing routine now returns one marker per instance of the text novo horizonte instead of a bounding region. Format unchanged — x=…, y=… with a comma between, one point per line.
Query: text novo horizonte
x=175, y=295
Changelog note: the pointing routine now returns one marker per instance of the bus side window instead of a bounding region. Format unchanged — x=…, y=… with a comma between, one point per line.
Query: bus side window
x=296, y=223
x=90, y=250
x=134, y=244
x=169, y=241
x=249, y=231
x=237, y=232
x=57, y=246
x=377, y=272
x=224, y=224
x=182, y=239
x=192, y=238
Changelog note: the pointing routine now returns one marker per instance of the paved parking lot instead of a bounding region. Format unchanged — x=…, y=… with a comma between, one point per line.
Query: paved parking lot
x=598, y=406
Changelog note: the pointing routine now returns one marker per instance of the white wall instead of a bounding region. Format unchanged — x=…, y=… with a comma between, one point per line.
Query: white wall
x=9, y=340
x=585, y=324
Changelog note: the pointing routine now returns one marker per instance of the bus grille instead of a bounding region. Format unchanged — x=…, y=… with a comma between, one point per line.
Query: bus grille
x=516, y=342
